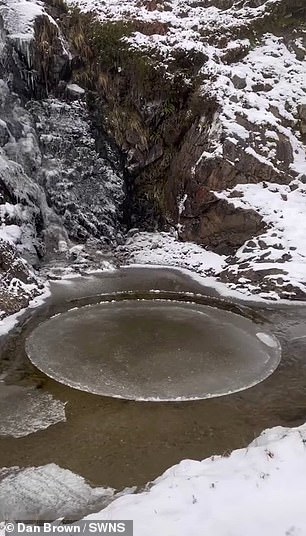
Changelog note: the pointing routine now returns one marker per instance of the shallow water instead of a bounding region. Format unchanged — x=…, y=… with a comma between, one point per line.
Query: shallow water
x=122, y=443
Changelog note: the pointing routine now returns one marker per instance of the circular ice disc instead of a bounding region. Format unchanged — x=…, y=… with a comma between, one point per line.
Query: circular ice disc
x=153, y=350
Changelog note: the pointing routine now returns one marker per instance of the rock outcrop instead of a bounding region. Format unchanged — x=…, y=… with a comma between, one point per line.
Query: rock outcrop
x=218, y=120
x=202, y=99
x=182, y=116
x=61, y=182
x=302, y=117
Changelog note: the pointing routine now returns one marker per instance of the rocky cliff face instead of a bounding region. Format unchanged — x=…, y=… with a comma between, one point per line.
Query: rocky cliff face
x=211, y=124
x=161, y=115
x=61, y=183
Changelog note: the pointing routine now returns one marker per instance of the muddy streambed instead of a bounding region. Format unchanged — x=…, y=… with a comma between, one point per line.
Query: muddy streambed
x=119, y=443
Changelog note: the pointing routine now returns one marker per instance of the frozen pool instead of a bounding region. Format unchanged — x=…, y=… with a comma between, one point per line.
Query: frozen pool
x=153, y=350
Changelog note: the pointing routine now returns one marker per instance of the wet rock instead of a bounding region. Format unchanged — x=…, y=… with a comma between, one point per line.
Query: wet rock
x=139, y=159
x=286, y=257
x=85, y=189
x=239, y=81
x=302, y=117
x=18, y=284
x=235, y=194
x=284, y=151
x=302, y=111
x=218, y=225
x=4, y=133
x=14, y=127
x=132, y=136
x=260, y=87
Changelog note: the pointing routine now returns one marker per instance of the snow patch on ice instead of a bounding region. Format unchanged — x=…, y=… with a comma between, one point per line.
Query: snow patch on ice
x=267, y=339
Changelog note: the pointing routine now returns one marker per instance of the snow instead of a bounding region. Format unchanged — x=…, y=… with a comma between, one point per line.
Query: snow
x=164, y=249
x=9, y=322
x=266, y=339
x=76, y=89
x=283, y=208
x=257, y=490
x=273, y=66
x=185, y=17
x=10, y=233
x=19, y=17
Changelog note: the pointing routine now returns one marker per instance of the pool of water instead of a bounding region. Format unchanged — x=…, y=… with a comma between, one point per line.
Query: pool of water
x=118, y=443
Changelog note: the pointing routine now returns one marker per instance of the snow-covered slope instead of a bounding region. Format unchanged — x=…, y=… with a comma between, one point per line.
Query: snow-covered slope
x=19, y=18
x=190, y=21
x=253, y=68
x=257, y=490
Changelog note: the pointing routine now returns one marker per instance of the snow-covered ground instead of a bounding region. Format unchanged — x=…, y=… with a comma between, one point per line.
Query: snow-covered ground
x=282, y=248
x=186, y=18
x=164, y=249
x=209, y=268
x=259, y=490
x=259, y=98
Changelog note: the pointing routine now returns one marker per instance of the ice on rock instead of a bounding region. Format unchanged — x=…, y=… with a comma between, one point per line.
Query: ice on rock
x=75, y=89
x=47, y=493
x=40, y=211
